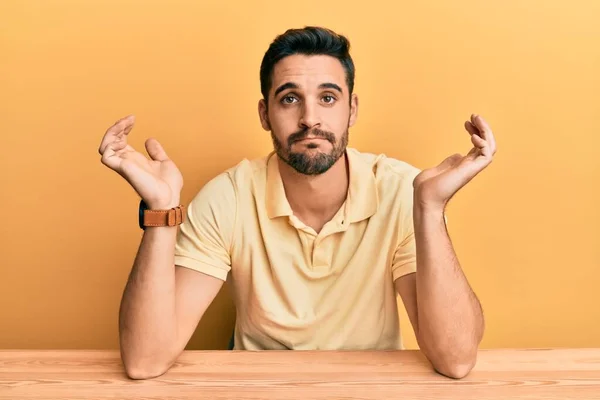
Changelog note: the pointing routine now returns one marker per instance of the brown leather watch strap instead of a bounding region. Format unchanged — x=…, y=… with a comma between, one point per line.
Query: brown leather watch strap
x=171, y=217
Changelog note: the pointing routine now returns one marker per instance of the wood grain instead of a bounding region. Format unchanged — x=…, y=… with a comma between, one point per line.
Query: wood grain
x=499, y=374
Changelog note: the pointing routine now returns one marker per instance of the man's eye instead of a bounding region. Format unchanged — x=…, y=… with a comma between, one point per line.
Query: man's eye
x=288, y=99
x=329, y=99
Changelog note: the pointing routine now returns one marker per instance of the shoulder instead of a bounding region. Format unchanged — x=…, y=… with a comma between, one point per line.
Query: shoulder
x=393, y=181
x=387, y=170
x=248, y=170
x=221, y=191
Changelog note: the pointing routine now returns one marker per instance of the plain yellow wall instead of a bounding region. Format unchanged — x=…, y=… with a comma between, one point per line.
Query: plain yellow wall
x=526, y=230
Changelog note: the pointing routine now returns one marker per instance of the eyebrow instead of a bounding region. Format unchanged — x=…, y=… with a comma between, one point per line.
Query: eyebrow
x=287, y=85
x=329, y=85
x=292, y=85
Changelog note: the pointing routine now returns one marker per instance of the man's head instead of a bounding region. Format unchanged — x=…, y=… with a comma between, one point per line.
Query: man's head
x=307, y=80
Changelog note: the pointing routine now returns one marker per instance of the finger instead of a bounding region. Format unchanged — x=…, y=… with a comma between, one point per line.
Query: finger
x=480, y=123
x=485, y=129
x=129, y=127
x=474, y=132
x=119, y=143
x=488, y=130
x=110, y=158
x=155, y=150
x=471, y=128
x=491, y=139
x=478, y=141
x=482, y=145
x=119, y=130
x=124, y=125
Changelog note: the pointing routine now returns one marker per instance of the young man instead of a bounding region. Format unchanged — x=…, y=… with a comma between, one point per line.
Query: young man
x=317, y=238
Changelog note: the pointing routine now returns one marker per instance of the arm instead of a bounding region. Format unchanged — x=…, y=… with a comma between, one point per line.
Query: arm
x=176, y=276
x=444, y=311
x=161, y=306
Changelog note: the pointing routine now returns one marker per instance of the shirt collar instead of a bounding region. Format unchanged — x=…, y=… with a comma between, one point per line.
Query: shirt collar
x=277, y=203
x=362, y=200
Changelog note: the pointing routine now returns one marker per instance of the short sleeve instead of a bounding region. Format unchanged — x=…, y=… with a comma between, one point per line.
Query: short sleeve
x=405, y=257
x=404, y=261
x=205, y=237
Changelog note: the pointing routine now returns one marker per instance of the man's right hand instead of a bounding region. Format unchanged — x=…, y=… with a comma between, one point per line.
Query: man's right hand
x=157, y=180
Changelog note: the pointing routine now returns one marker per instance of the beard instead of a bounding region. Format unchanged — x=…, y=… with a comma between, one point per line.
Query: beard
x=317, y=162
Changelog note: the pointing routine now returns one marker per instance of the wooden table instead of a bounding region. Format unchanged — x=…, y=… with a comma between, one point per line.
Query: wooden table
x=499, y=374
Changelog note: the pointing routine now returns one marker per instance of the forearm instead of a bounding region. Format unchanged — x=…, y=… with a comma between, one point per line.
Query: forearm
x=147, y=317
x=449, y=314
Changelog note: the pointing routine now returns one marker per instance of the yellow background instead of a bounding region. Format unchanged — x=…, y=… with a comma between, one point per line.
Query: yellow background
x=525, y=230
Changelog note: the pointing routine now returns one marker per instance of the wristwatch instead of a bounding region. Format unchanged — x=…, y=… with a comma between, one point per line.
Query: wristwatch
x=170, y=217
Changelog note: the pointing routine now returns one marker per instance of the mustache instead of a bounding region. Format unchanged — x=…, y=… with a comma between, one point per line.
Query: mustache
x=303, y=134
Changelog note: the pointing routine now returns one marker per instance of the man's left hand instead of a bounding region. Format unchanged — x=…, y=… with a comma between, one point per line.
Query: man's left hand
x=434, y=187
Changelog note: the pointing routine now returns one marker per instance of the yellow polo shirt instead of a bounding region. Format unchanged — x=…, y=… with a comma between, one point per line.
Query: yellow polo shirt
x=294, y=288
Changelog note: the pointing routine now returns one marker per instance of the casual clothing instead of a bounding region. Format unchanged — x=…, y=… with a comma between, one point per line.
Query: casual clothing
x=294, y=288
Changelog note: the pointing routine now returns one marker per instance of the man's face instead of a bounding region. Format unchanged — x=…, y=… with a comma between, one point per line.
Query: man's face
x=309, y=112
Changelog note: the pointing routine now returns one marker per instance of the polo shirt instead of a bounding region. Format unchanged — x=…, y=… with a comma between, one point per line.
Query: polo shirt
x=294, y=288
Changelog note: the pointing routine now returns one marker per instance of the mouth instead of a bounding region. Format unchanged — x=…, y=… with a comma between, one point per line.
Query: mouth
x=308, y=139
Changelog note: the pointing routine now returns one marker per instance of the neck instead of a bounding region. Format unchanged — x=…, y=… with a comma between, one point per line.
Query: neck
x=316, y=196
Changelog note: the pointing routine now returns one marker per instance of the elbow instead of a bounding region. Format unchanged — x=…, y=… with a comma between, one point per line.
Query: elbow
x=140, y=368
x=455, y=370
x=145, y=362
x=141, y=371
x=452, y=364
x=451, y=359
x=455, y=366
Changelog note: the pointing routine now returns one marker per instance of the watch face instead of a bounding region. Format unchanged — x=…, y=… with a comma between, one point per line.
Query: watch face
x=141, y=213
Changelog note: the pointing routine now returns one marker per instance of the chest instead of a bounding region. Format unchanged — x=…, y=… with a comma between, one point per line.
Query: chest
x=295, y=266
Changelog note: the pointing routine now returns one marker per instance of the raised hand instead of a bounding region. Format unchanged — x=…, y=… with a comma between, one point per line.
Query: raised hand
x=157, y=180
x=434, y=187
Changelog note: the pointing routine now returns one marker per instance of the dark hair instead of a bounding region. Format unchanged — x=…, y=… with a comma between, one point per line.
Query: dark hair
x=310, y=40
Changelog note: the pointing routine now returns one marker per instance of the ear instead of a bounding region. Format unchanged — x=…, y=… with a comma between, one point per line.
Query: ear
x=353, y=109
x=263, y=114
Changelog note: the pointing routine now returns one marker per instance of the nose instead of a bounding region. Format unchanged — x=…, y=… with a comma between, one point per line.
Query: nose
x=310, y=117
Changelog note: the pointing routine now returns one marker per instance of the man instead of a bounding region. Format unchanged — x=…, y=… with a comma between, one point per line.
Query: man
x=316, y=238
